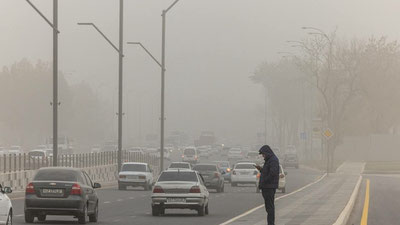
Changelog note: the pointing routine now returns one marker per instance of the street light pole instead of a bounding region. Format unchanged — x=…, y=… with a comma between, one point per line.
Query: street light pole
x=162, y=118
x=55, y=102
x=120, y=74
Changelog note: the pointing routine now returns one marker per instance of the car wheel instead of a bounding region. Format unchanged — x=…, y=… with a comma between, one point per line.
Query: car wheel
x=155, y=211
x=223, y=187
x=94, y=217
x=233, y=184
x=42, y=218
x=218, y=189
x=83, y=215
x=284, y=190
x=29, y=217
x=121, y=187
x=9, y=218
x=206, y=210
x=146, y=186
x=201, y=210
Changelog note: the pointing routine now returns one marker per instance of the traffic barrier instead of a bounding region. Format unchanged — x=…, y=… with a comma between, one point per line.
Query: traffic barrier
x=17, y=170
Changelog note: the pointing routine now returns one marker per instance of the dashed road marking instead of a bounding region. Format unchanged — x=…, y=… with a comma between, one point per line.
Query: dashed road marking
x=107, y=202
x=119, y=200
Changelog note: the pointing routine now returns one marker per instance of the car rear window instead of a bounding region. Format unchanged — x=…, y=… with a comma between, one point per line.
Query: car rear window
x=244, y=166
x=55, y=175
x=36, y=154
x=134, y=167
x=205, y=168
x=189, y=151
x=179, y=165
x=252, y=154
x=178, y=176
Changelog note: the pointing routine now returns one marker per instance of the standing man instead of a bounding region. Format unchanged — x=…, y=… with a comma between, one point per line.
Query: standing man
x=269, y=181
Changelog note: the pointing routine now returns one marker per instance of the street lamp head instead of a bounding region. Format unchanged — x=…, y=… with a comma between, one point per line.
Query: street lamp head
x=90, y=24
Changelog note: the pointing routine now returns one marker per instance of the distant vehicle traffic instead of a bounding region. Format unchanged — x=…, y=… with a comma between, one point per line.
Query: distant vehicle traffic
x=181, y=189
x=235, y=153
x=212, y=176
x=61, y=191
x=203, y=152
x=254, y=156
x=190, y=155
x=290, y=160
x=38, y=154
x=180, y=165
x=225, y=166
x=135, y=174
x=6, y=208
x=244, y=173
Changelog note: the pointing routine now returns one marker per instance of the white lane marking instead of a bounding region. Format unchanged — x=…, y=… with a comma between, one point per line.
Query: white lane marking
x=19, y=215
x=107, y=202
x=116, y=220
x=133, y=216
x=119, y=200
x=260, y=206
x=131, y=198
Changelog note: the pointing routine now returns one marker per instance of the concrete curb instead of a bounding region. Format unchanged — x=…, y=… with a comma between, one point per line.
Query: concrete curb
x=345, y=214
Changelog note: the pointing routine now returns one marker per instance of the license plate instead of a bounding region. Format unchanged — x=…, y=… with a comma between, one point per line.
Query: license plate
x=244, y=173
x=52, y=191
x=176, y=200
x=132, y=177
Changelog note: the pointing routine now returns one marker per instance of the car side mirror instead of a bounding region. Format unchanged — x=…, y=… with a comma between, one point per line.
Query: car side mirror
x=285, y=173
x=96, y=185
x=7, y=190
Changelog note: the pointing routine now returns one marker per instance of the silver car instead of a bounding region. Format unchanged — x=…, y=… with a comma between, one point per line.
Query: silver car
x=179, y=189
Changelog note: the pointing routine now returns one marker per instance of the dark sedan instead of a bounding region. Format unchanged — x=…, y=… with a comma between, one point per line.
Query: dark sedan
x=212, y=176
x=61, y=191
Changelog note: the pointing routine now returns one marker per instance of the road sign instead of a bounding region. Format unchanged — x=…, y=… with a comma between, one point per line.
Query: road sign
x=327, y=133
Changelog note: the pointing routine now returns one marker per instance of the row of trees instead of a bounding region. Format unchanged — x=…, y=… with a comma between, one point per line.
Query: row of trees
x=26, y=113
x=352, y=84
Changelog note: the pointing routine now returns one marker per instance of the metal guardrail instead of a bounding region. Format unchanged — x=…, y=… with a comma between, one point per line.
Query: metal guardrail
x=20, y=162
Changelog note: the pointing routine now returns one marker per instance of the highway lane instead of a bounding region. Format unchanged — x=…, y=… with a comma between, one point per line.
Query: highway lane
x=124, y=207
x=383, y=200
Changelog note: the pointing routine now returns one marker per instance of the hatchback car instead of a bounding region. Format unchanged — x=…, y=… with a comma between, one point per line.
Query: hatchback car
x=135, y=174
x=6, y=208
x=179, y=189
x=61, y=191
x=212, y=175
x=244, y=173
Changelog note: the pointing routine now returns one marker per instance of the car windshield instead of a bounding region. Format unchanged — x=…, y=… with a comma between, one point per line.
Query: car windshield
x=178, y=176
x=180, y=165
x=134, y=167
x=189, y=151
x=244, y=166
x=205, y=168
x=55, y=175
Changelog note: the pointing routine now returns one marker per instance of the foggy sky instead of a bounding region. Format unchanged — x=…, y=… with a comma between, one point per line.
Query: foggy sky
x=213, y=46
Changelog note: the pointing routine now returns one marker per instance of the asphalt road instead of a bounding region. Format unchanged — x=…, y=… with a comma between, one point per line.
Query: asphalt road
x=133, y=205
x=384, y=201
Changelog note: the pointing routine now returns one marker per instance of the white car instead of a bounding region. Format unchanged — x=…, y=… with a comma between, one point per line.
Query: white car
x=203, y=152
x=190, y=155
x=180, y=166
x=235, y=153
x=282, y=180
x=135, y=174
x=6, y=215
x=37, y=154
x=244, y=173
x=180, y=189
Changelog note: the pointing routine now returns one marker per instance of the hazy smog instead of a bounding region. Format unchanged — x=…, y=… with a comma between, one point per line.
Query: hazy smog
x=316, y=79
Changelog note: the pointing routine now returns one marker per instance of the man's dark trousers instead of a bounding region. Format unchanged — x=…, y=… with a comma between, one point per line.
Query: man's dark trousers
x=269, y=200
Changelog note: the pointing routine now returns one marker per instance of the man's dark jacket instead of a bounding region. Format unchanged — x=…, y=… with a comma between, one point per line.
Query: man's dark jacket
x=270, y=172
